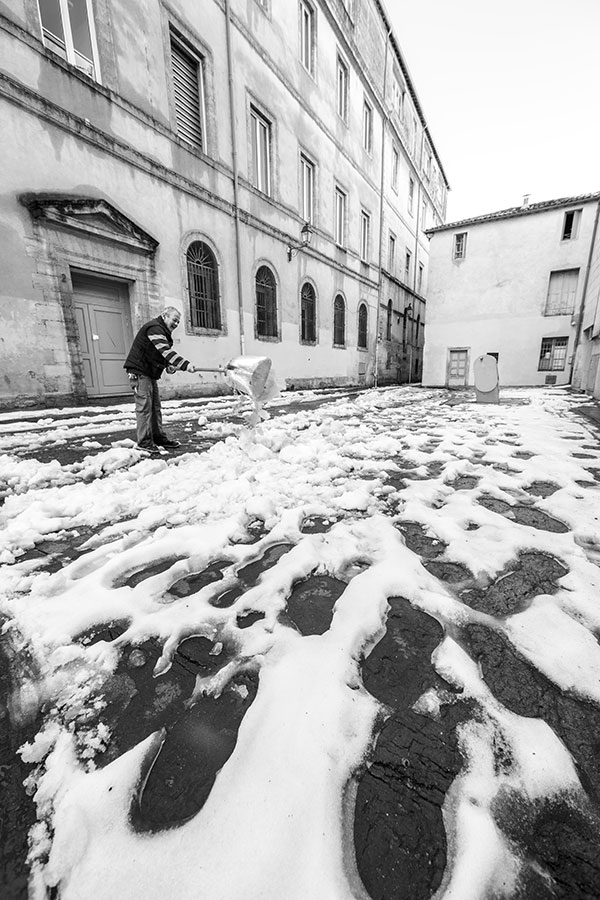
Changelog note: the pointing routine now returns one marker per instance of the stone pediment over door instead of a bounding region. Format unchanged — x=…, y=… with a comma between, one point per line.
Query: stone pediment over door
x=90, y=217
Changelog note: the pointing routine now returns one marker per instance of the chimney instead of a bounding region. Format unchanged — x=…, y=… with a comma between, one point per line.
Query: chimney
x=525, y=203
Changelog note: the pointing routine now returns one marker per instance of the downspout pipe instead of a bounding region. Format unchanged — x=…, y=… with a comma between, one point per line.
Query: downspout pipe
x=584, y=292
x=384, y=119
x=234, y=161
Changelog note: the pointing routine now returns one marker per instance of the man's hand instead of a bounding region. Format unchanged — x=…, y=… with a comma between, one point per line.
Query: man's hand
x=192, y=368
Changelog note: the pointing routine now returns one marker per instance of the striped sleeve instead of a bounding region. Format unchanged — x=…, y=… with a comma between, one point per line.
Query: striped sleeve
x=171, y=358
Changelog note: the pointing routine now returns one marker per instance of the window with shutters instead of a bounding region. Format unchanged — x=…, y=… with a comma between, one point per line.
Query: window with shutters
x=342, y=89
x=260, y=141
x=203, y=287
x=362, y=326
x=307, y=188
x=339, y=322
x=411, y=194
x=308, y=314
x=553, y=354
x=68, y=29
x=307, y=39
x=365, y=235
x=339, y=225
x=388, y=322
x=266, y=303
x=395, y=163
x=188, y=89
x=562, y=288
x=367, y=126
x=392, y=253
x=460, y=245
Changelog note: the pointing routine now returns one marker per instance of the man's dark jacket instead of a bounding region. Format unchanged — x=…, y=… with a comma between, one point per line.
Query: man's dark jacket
x=144, y=358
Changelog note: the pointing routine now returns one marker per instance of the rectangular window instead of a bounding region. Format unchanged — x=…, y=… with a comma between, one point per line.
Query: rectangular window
x=411, y=195
x=307, y=22
x=562, y=288
x=395, y=162
x=415, y=136
x=553, y=354
x=367, y=126
x=392, y=253
x=342, y=89
x=307, y=178
x=188, y=90
x=407, y=260
x=68, y=30
x=571, y=225
x=424, y=214
x=261, y=151
x=460, y=245
x=420, y=279
x=365, y=234
x=340, y=216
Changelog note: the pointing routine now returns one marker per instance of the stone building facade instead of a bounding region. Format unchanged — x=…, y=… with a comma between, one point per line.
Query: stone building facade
x=173, y=152
x=514, y=284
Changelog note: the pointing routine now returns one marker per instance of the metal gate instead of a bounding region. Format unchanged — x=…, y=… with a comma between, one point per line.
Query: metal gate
x=101, y=310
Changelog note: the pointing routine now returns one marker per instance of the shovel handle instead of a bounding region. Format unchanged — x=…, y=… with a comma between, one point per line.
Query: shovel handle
x=199, y=369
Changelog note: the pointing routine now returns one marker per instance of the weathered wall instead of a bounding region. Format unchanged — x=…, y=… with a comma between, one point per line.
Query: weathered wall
x=115, y=138
x=494, y=299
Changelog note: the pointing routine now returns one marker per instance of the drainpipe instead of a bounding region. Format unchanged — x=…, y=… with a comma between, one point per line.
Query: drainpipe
x=584, y=292
x=234, y=161
x=384, y=119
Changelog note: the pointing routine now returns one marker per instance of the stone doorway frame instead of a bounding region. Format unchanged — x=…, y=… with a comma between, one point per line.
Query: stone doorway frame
x=90, y=235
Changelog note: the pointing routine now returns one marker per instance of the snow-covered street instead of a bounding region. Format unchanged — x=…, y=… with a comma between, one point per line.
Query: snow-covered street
x=350, y=653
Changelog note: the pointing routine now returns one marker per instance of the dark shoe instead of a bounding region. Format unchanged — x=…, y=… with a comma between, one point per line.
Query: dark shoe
x=168, y=444
x=152, y=449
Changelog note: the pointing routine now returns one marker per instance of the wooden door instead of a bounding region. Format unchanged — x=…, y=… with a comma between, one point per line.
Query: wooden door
x=101, y=310
x=458, y=368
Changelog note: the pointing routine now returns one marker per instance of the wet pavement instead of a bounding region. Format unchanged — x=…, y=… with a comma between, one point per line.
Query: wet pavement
x=399, y=834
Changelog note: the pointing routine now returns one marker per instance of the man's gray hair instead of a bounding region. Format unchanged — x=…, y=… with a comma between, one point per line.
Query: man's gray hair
x=171, y=309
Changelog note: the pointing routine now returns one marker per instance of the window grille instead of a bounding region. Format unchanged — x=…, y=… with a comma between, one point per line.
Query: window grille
x=266, y=303
x=203, y=285
x=362, y=326
x=187, y=85
x=308, y=314
x=553, y=354
x=339, y=321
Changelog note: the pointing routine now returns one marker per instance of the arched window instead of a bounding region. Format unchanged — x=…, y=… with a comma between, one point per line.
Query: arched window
x=339, y=322
x=308, y=308
x=362, y=326
x=388, y=325
x=266, y=303
x=203, y=284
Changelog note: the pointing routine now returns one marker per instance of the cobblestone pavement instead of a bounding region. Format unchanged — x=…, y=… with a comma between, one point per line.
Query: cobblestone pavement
x=400, y=837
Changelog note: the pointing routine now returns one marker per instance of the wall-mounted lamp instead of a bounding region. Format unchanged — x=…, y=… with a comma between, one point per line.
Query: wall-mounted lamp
x=408, y=309
x=306, y=235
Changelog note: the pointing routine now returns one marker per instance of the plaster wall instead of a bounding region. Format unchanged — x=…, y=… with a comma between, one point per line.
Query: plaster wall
x=494, y=299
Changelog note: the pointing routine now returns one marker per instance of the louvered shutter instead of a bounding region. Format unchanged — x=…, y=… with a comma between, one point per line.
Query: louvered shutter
x=187, y=95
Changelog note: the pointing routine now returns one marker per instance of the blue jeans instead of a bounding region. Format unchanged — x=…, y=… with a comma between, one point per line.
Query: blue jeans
x=148, y=413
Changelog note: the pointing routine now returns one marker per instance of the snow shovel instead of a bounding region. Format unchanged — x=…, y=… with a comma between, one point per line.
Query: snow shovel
x=249, y=375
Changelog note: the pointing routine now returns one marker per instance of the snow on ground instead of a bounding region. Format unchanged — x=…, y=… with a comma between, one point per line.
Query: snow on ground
x=277, y=822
